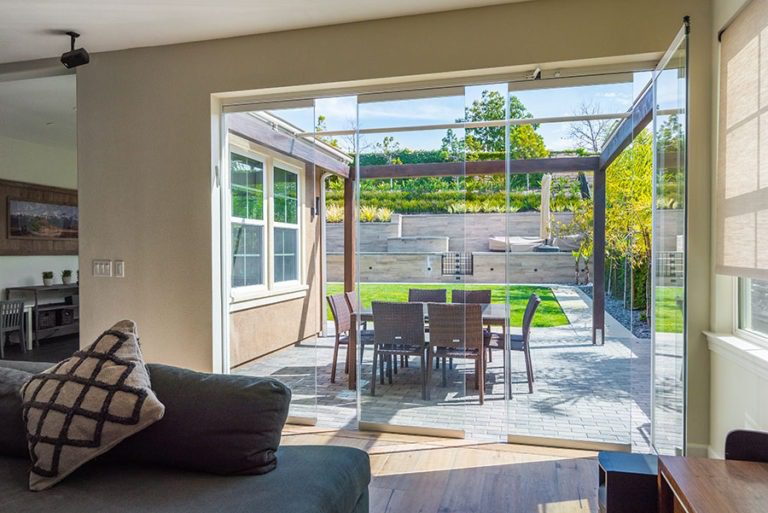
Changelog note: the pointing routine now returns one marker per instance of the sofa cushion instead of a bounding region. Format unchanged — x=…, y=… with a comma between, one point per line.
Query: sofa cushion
x=223, y=424
x=83, y=406
x=13, y=438
x=309, y=479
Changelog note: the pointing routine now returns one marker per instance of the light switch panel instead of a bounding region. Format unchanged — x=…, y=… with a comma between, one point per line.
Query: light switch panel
x=118, y=267
x=102, y=268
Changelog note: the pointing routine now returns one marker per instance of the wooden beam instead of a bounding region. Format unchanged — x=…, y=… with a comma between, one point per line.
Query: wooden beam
x=598, y=260
x=480, y=167
x=641, y=115
x=257, y=131
x=350, y=266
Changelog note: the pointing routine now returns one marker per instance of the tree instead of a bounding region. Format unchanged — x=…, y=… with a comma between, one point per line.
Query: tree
x=590, y=134
x=524, y=140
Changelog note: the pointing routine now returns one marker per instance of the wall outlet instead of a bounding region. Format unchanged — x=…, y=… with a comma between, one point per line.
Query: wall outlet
x=118, y=268
x=102, y=268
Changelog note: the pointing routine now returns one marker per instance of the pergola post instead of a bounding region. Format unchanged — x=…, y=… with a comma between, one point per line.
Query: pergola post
x=350, y=249
x=598, y=258
x=350, y=237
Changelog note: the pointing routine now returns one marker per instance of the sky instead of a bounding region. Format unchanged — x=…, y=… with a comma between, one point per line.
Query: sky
x=377, y=112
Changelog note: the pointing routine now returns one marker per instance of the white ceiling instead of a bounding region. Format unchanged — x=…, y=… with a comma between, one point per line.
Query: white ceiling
x=40, y=110
x=32, y=29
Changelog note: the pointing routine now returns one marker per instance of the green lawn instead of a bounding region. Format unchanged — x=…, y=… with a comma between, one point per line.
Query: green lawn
x=669, y=315
x=549, y=313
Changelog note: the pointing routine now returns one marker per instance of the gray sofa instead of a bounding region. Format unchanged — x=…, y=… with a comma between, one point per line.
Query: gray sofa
x=307, y=479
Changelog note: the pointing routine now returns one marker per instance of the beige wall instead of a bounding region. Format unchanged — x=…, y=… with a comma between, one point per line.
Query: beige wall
x=31, y=162
x=144, y=133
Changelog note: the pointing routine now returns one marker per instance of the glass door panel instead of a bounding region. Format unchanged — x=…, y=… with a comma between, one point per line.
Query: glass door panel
x=409, y=262
x=669, y=249
x=269, y=188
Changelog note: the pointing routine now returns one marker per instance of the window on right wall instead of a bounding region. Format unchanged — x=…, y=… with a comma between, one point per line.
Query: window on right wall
x=753, y=306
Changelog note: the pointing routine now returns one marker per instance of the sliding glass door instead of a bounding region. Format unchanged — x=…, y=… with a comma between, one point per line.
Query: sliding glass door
x=670, y=122
x=460, y=225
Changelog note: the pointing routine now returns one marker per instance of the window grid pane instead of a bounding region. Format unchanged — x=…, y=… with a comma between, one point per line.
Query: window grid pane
x=247, y=255
x=286, y=195
x=286, y=254
x=753, y=305
x=247, y=187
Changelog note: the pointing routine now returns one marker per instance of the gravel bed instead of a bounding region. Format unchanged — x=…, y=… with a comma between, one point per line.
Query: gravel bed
x=628, y=318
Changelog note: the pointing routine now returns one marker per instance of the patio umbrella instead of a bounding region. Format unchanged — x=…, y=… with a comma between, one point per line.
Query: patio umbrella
x=546, y=181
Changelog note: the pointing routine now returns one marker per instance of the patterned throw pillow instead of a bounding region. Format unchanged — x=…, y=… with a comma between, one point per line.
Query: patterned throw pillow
x=87, y=404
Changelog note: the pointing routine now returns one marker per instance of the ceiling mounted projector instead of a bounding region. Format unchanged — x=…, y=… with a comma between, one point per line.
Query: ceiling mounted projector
x=74, y=58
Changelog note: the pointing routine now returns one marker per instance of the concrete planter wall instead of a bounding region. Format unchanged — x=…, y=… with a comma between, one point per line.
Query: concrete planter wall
x=488, y=268
x=466, y=232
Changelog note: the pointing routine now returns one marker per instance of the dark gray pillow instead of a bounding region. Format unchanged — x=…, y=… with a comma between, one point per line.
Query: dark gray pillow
x=222, y=424
x=13, y=436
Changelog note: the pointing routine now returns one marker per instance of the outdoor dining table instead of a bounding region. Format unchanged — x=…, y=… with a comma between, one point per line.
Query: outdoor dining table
x=494, y=314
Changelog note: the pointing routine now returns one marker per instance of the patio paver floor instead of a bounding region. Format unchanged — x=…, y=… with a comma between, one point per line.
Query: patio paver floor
x=582, y=392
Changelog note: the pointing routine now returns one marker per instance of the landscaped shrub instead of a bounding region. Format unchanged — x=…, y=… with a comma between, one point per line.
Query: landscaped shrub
x=454, y=202
x=367, y=214
x=334, y=214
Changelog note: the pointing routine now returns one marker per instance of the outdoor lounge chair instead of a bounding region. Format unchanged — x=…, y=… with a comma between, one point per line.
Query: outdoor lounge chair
x=519, y=342
x=457, y=332
x=398, y=331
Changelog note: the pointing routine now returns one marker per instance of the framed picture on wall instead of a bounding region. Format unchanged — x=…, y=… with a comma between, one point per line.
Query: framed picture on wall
x=39, y=220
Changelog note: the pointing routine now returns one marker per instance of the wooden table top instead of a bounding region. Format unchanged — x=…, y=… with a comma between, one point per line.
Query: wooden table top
x=717, y=486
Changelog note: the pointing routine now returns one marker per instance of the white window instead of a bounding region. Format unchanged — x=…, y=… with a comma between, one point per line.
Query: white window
x=753, y=306
x=247, y=220
x=265, y=221
x=285, y=194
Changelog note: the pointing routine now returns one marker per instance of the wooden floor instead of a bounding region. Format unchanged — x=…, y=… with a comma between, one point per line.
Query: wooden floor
x=415, y=474
x=50, y=350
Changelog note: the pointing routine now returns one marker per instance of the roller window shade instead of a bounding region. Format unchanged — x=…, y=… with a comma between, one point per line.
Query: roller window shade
x=742, y=177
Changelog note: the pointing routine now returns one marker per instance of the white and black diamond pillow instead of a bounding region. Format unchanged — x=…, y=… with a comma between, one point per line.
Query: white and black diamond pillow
x=85, y=405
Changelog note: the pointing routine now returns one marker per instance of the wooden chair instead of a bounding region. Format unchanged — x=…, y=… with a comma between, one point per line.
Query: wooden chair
x=12, y=319
x=747, y=445
x=398, y=331
x=427, y=295
x=519, y=342
x=342, y=321
x=471, y=296
x=457, y=332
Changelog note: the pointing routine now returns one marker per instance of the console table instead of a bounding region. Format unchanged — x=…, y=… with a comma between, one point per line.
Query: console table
x=50, y=319
x=699, y=485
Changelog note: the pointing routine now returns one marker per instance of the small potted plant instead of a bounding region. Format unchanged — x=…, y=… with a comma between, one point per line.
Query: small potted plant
x=48, y=278
x=66, y=277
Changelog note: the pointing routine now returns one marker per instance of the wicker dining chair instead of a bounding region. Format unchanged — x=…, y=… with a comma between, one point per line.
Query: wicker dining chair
x=482, y=296
x=519, y=342
x=471, y=296
x=12, y=319
x=342, y=321
x=354, y=303
x=427, y=295
x=398, y=331
x=457, y=332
